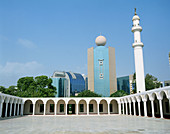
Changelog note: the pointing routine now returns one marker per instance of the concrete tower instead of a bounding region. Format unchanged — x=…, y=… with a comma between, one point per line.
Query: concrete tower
x=102, y=68
x=138, y=54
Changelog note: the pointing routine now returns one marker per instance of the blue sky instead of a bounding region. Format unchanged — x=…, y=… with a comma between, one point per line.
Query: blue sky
x=38, y=37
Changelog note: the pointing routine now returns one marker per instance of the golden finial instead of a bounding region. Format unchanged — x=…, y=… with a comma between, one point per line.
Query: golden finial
x=135, y=12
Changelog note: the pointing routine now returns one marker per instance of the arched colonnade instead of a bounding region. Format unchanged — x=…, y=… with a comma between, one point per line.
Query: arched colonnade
x=66, y=106
x=152, y=103
x=10, y=105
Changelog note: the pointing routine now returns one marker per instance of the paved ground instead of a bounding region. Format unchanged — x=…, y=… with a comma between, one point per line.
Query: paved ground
x=84, y=125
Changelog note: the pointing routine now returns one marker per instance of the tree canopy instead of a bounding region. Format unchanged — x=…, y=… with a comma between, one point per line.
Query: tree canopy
x=88, y=93
x=39, y=86
x=151, y=82
x=119, y=93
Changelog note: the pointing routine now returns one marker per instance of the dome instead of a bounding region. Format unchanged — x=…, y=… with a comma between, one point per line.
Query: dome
x=100, y=41
x=136, y=17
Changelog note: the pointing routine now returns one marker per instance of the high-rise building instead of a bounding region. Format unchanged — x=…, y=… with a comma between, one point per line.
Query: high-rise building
x=125, y=83
x=68, y=83
x=102, y=68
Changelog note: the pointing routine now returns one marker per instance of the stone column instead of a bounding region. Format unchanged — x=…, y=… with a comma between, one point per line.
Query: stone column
x=145, y=108
x=10, y=109
x=22, y=109
x=55, y=108
x=77, y=109
x=18, y=110
x=126, y=108
x=134, y=108
x=130, y=110
x=1, y=105
x=139, y=108
x=6, y=110
x=87, y=109
x=14, y=108
x=33, y=109
x=108, y=109
x=44, y=108
x=120, y=108
x=153, y=112
x=123, y=108
x=160, y=106
x=66, y=109
x=98, y=109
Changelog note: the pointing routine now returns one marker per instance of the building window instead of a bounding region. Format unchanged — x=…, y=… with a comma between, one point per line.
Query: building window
x=41, y=108
x=31, y=108
x=100, y=107
x=167, y=107
x=81, y=107
x=90, y=107
x=51, y=107
x=111, y=109
x=61, y=108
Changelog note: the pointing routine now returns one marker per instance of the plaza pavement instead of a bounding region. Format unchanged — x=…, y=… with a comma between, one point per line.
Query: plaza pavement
x=113, y=124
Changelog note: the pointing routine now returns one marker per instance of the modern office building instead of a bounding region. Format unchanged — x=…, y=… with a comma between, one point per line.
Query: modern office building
x=102, y=68
x=167, y=83
x=68, y=83
x=125, y=83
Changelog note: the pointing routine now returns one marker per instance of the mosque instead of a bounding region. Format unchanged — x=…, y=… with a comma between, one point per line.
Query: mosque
x=101, y=66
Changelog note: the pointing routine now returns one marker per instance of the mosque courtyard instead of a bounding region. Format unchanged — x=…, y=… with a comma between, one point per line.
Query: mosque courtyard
x=71, y=124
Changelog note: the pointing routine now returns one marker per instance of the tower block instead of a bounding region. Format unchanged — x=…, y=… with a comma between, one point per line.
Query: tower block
x=138, y=54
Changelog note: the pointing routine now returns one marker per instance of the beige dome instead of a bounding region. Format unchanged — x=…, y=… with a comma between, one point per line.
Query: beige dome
x=100, y=40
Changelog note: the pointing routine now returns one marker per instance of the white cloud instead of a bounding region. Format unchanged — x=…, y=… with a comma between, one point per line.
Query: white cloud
x=12, y=71
x=26, y=43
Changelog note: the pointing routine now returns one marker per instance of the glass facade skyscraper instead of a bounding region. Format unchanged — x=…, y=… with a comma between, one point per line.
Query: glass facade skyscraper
x=68, y=83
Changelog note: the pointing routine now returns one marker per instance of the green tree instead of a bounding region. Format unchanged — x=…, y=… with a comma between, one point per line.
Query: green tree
x=119, y=93
x=41, y=86
x=2, y=89
x=88, y=93
x=151, y=82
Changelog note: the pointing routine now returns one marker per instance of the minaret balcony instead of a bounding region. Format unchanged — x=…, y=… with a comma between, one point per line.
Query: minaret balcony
x=137, y=44
x=136, y=28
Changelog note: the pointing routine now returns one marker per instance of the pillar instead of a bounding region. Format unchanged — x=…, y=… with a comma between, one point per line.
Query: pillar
x=55, y=109
x=130, y=110
x=66, y=109
x=98, y=108
x=18, y=110
x=33, y=109
x=160, y=106
x=6, y=110
x=87, y=109
x=123, y=108
x=44, y=108
x=145, y=108
x=120, y=108
x=1, y=105
x=22, y=109
x=139, y=108
x=126, y=109
x=10, y=109
x=14, y=108
x=134, y=108
x=108, y=109
x=153, y=112
x=77, y=109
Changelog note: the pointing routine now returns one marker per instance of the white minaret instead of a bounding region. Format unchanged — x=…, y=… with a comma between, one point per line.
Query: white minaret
x=138, y=54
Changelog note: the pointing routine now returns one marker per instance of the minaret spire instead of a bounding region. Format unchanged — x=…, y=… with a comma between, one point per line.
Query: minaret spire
x=135, y=12
x=138, y=54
